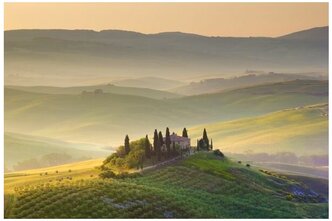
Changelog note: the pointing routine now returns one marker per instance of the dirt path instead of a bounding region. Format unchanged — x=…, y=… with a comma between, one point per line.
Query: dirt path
x=166, y=162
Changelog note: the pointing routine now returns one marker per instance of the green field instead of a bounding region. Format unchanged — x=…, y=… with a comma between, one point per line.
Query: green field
x=105, y=118
x=294, y=130
x=201, y=186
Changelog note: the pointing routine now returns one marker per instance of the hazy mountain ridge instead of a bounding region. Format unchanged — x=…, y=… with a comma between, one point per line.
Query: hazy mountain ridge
x=61, y=54
x=108, y=88
x=314, y=34
x=149, y=82
x=214, y=85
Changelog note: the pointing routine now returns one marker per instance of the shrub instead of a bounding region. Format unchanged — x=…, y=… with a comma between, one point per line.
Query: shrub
x=218, y=153
x=289, y=197
x=248, y=165
x=107, y=174
x=239, y=161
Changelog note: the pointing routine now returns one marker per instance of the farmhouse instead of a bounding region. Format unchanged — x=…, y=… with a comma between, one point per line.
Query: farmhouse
x=183, y=142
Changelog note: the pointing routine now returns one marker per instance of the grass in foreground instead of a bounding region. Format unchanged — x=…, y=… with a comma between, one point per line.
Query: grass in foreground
x=202, y=186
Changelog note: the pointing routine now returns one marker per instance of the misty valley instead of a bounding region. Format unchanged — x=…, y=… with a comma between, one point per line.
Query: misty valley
x=120, y=124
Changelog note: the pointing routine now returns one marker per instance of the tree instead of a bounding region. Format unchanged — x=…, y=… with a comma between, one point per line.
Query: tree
x=198, y=147
x=127, y=145
x=147, y=147
x=156, y=144
x=168, y=142
x=161, y=139
x=211, y=144
x=206, y=139
x=184, y=132
x=135, y=159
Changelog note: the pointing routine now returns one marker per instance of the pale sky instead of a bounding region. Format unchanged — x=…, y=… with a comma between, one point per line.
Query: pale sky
x=211, y=19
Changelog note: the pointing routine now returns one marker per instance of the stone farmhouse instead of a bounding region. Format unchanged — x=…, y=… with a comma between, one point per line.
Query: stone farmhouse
x=183, y=142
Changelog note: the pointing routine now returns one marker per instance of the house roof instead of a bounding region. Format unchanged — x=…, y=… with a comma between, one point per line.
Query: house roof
x=175, y=138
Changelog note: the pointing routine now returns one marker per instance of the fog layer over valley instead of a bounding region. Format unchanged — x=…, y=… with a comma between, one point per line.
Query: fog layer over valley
x=75, y=94
x=103, y=118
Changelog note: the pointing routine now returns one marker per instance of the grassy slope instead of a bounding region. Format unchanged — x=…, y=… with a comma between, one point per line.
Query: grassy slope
x=261, y=99
x=201, y=186
x=321, y=172
x=104, y=119
x=22, y=147
x=144, y=92
x=79, y=170
x=292, y=130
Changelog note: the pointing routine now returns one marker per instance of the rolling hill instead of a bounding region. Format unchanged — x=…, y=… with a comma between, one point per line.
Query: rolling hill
x=109, y=88
x=314, y=34
x=149, y=82
x=215, y=85
x=20, y=148
x=302, y=130
x=201, y=186
x=106, y=118
x=85, y=57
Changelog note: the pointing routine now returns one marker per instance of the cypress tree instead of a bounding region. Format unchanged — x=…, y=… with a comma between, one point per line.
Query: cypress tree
x=201, y=144
x=197, y=145
x=156, y=144
x=161, y=140
x=168, y=142
x=127, y=145
x=147, y=147
x=184, y=132
x=211, y=144
x=206, y=139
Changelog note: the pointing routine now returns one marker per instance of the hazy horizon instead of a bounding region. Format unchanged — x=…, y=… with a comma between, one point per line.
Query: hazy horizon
x=207, y=19
x=163, y=32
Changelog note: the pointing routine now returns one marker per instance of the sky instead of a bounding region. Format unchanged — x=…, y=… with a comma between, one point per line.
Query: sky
x=210, y=19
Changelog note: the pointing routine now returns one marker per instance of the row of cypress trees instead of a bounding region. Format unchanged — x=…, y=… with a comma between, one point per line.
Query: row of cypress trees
x=158, y=142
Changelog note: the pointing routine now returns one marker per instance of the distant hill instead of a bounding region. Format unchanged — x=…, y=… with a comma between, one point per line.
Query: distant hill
x=83, y=57
x=149, y=82
x=314, y=34
x=106, y=118
x=302, y=131
x=109, y=88
x=20, y=148
x=214, y=85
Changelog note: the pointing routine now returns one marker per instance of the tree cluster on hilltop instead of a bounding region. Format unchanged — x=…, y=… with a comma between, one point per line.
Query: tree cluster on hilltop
x=204, y=143
x=136, y=154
